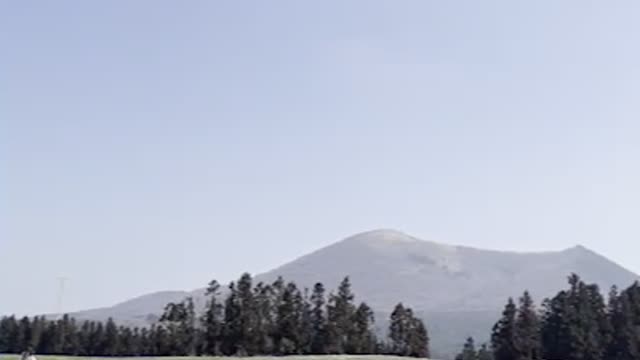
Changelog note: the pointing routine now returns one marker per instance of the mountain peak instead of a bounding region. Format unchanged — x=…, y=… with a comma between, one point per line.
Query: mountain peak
x=579, y=249
x=382, y=236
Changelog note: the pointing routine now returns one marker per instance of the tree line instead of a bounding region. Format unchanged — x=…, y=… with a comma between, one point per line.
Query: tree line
x=251, y=319
x=578, y=323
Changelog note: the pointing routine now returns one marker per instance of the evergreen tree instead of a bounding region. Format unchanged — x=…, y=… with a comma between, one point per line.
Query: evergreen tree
x=160, y=341
x=24, y=333
x=306, y=325
x=232, y=331
x=418, y=339
x=69, y=334
x=625, y=341
x=111, y=339
x=146, y=343
x=212, y=320
x=5, y=329
x=398, y=331
x=14, y=337
x=468, y=351
x=248, y=318
x=99, y=341
x=575, y=323
x=527, y=330
x=265, y=319
x=174, y=314
x=318, y=320
x=136, y=342
x=363, y=340
x=407, y=334
x=37, y=328
x=189, y=327
x=340, y=312
x=179, y=321
x=49, y=339
x=289, y=322
x=84, y=332
x=126, y=342
x=554, y=332
x=503, y=335
x=240, y=319
x=484, y=353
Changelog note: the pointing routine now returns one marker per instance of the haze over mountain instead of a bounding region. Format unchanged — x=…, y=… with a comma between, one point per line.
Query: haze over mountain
x=459, y=290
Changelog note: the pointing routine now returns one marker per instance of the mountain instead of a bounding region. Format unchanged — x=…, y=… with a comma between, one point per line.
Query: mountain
x=458, y=290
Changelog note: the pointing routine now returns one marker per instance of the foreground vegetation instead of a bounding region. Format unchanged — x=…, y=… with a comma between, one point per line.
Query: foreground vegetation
x=292, y=357
x=260, y=319
x=576, y=324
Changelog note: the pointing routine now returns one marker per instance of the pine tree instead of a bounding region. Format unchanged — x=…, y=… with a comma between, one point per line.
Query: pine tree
x=398, y=331
x=231, y=331
x=14, y=337
x=265, y=318
x=363, y=340
x=575, y=323
x=602, y=331
x=625, y=341
x=212, y=320
x=24, y=333
x=111, y=339
x=276, y=295
x=160, y=340
x=174, y=314
x=98, y=340
x=468, y=351
x=179, y=320
x=240, y=319
x=189, y=327
x=340, y=311
x=484, y=353
x=37, y=328
x=527, y=330
x=49, y=339
x=554, y=332
x=5, y=329
x=136, y=342
x=418, y=339
x=69, y=329
x=146, y=343
x=248, y=318
x=83, y=338
x=503, y=335
x=318, y=320
x=407, y=334
x=306, y=325
x=125, y=342
x=289, y=322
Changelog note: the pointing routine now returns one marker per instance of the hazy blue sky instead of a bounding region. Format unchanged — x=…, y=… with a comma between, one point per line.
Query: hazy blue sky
x=150, y=145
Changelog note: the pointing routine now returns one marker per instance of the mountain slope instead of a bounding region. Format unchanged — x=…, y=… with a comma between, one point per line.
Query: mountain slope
x=387, y=266
x=459, y=290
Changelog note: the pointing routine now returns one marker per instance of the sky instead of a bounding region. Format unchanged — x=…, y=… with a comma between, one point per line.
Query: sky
x=153, y=145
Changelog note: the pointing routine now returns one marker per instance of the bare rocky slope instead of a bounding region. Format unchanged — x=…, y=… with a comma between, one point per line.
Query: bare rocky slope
x=459, y=290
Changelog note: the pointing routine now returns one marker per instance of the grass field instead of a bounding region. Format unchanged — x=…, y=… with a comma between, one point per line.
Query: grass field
x=310, y=357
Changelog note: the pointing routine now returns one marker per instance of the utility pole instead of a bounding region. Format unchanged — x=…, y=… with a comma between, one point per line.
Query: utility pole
x=61, y=282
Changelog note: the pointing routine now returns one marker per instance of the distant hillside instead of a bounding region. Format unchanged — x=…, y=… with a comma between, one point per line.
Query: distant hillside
x=459, y=290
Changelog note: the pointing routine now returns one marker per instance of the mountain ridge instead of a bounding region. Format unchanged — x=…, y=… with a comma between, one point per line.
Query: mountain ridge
x=447, y=284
